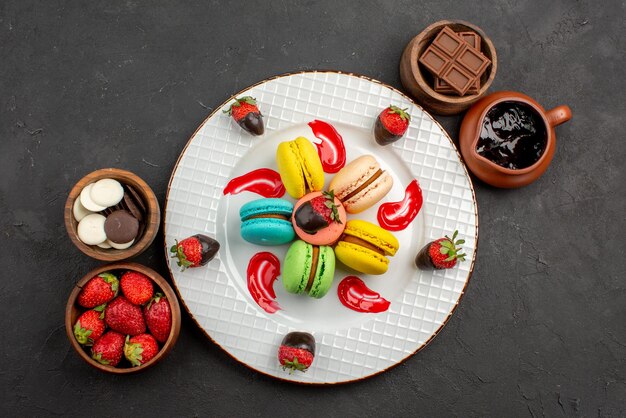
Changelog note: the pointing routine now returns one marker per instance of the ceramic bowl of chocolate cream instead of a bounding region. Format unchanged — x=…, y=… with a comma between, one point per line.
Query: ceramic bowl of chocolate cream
x=454, y=50
x=112, y=215
x=508, y=140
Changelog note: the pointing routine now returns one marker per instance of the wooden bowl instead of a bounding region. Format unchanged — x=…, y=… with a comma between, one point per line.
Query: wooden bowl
x=73, y=311
x=419, y=82
x=151, y=222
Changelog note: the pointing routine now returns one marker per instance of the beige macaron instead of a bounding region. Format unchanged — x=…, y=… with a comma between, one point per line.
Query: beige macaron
x=360, y=184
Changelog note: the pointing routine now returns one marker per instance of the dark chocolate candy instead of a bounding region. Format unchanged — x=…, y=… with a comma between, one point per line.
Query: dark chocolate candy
x=302, y=340
x=453, y=60
x=121, y=227
x=132, y=206
x=137, y=198
x=253, y=123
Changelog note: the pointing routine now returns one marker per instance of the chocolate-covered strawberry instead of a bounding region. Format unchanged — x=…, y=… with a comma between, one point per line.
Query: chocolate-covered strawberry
x=140, y=349
x=317, y=213
x=246, y=113
x=90, y=326
x=391, y=125
x=124, y=317
x=194, y=251
x=158, y=316
x=296, y=352
x=108, y=349
x=442, y=253
x=98, y=290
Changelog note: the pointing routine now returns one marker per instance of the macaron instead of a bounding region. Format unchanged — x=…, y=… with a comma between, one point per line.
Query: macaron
x=365, y=247
x=308, y=269
x=319, y=218
x=267, y=221
x=299, y=167
x=361, y=183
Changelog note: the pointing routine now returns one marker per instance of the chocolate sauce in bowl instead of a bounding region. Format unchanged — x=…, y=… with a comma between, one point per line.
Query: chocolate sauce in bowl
x=513, y=135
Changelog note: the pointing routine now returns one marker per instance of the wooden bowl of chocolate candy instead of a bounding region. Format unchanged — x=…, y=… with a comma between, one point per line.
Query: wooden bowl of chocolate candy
x=448, y=66
x=112, y=215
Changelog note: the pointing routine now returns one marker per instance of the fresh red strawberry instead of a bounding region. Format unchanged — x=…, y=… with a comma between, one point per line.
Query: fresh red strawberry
x=194, y=251
x=296, y=352
x=122, y=316
x=158, y=317
x=440, y=254
x=317, y=213
x=90, y=326
x=391, y=124
x=140, y=349
x=98, y=290
x=108, y=349
x=137, y=287
x=246, y=113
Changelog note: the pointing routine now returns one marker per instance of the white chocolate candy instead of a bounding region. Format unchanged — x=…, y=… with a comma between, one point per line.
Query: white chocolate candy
x=79, y=210
x=104, y=245
x=91, y=229
x=120, y=246
x=85, y=200
x=107, y=192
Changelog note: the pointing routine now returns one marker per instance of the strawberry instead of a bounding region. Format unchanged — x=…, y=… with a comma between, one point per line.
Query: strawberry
x=296, y=351
x=140, y=349
x=246, y=113
x=391, y=124
x=194, y=251
x=137, y=287
x=440, y=254
x=122, y=316
x=158, y=317
x=317, y=213
x=90, y=326
x=98, y=290
x=108, y=349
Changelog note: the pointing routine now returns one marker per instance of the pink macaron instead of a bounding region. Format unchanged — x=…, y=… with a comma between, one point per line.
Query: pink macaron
x=319, y=218
x=361, y=184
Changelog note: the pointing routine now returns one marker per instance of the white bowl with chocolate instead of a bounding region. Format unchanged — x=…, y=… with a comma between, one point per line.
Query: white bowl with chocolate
x=112, y=214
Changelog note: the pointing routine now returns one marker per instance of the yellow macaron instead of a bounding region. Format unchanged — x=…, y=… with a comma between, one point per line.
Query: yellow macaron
x=299, y=167
x=365, y=247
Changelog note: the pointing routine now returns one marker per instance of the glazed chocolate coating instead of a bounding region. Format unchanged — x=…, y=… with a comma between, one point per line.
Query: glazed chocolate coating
x=423, y=260
x=210, y=247
x=253, y=123
x=302, y=340
x=121, y=227
x=309, y=220
x=382, y=135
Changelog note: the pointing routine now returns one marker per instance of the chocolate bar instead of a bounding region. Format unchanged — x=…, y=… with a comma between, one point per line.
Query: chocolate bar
x=473, y=39
x=453, y=60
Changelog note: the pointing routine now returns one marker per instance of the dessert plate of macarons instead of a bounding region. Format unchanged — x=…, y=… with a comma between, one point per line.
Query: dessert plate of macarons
x=320, y=227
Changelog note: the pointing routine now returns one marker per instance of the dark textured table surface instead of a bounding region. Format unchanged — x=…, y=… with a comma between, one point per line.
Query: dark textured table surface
x=541, y=330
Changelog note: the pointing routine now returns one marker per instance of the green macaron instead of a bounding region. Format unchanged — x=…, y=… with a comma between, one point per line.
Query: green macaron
x=308, y=269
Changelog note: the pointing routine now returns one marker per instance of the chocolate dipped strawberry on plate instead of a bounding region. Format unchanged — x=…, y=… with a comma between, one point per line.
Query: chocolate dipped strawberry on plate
x=296, y=352
x=391, y=125
x=442, y=253
x=195, y=251
x=247, y=115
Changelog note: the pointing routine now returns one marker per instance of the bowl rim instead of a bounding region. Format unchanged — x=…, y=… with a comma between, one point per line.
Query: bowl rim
x=153, y=221
x=419, y=77
x=159, y=281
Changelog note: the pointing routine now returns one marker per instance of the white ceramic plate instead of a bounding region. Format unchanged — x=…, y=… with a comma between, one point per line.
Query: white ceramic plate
x=350, y=345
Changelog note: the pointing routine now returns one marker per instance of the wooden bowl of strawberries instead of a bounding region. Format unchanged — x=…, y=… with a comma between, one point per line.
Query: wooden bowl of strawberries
x=122, y=318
